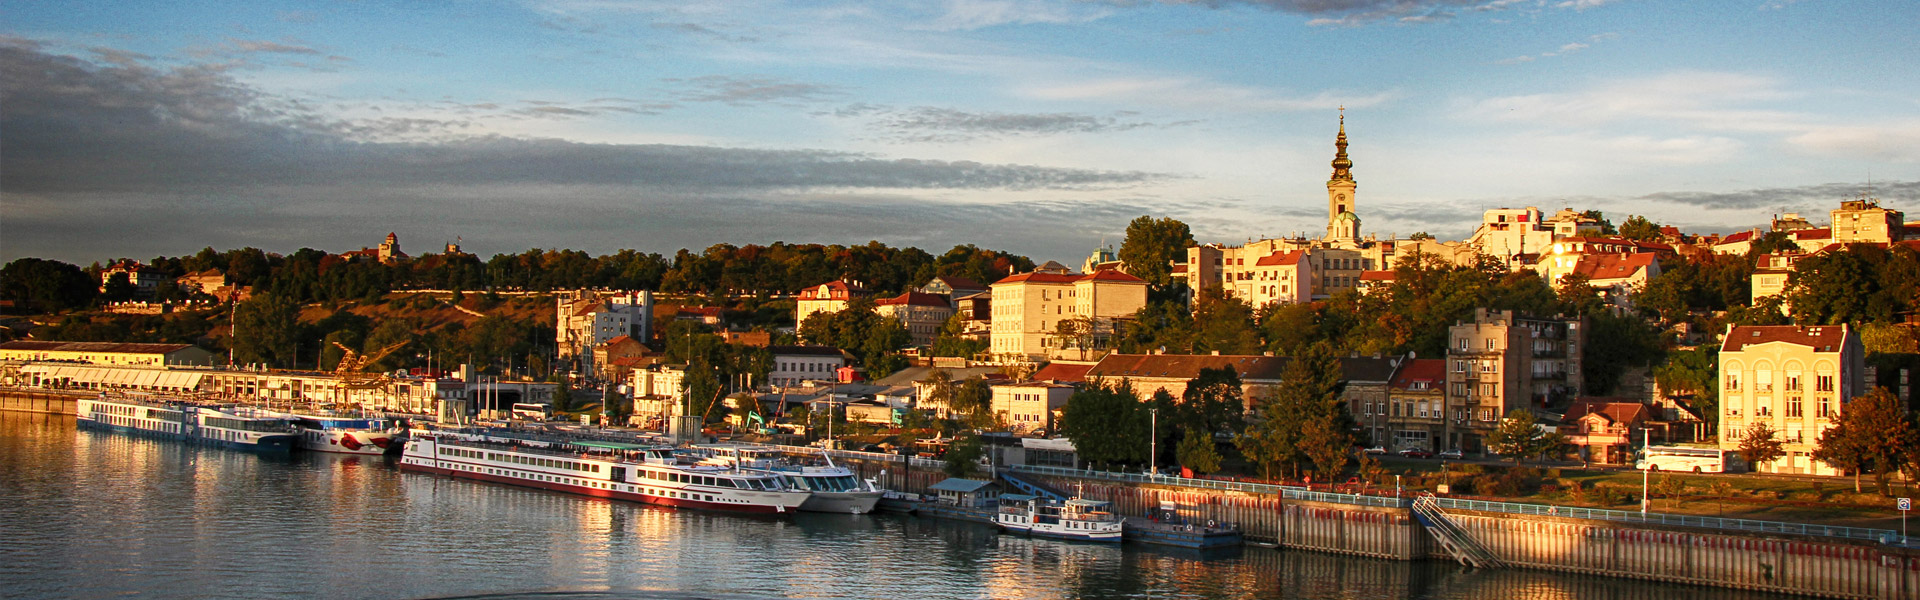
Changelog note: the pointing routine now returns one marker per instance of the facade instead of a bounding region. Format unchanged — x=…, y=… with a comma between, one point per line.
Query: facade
x=830, y=297
x=793, y=365
x=1770, y=275
x=1028, y=308
x=107, y=353
x=144, y=279
x=1796, y=379
x=920, y=312
x=1366, y=378
x=1502, y=361
x=1606, y=432
x=1029, y=407
x=1413, y=414
x=617, y=356
x=586, y=320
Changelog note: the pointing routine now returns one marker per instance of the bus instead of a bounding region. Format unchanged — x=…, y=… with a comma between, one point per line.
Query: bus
x=533, y=411
x=1686, y=459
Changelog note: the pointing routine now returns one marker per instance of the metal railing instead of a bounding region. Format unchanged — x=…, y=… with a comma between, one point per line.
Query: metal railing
x=1210, y=484
x=1601, y=514
x=875, y=456
x=1293, y=493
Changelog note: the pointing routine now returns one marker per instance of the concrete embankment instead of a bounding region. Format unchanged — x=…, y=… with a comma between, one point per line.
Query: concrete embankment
x=40, y=401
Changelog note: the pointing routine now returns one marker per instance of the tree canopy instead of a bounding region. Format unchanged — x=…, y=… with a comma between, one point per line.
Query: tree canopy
x=1152, y=246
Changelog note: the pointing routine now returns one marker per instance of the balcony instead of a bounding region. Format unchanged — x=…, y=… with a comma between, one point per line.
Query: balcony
x=1550, y=354
x=1551, y=375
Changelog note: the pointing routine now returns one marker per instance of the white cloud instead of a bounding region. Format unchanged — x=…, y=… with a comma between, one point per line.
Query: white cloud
x=1194, y=93
x=1893, y=142
x=1584, y=4
x=977, y=14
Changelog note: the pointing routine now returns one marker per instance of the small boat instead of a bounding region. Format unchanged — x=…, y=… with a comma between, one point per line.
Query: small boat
x=1168, y=528
x=896, y=501
x=1075, y=519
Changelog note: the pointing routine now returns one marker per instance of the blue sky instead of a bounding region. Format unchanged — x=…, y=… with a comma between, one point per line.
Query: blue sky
x=143, y=128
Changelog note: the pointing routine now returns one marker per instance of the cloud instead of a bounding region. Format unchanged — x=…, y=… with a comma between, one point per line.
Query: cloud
x=102, y=156
x=1584, y=4
x=741, y=91
x=933, y=124
x=1564, y=49
x=270, y=47
x=1194, y=93
x=1799, y=198
x=979, y=14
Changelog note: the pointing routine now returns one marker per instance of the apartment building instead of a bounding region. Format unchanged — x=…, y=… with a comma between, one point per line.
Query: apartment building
x=1502, y=361
x=1796, y=379
x=1027, y=309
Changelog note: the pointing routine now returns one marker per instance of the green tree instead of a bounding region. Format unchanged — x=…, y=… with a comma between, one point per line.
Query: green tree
x=1213, y=402
x=1611, y=346
x=1760, y=444
x=1164, y=324
x=1309, y=390
x=1771, y=242
x=265, y=329
x=1197, y=452
x=1637, y=227
x=563, y=398
x=973, y=402
x=1329, y=444
x=952, y=342
x=1516, y=436
x=1694, y=374
x=1074, y=333
x=48, y=285
x=1874, y=434
x=1152, y=246
x=1106, y=424
x=1223, y=324
x=963, y=456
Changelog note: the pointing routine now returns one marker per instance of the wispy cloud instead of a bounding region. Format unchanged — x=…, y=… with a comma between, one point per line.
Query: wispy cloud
x=1564, y=49
x=270, y=47
x=978, y=14
x=740, y=91
x=1195, y=93
x=946, y=125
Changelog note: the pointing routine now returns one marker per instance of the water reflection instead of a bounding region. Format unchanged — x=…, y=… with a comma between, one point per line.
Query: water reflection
x=96, y=515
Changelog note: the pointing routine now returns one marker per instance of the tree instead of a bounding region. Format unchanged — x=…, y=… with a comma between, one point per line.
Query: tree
x=1076, y=332
x=1309, y=390
x=973, y=401
x=1197, y=452
x=1692, y=374
x=1872, y=435
x=1223, y=324
x=1107, y=424
x=1516, y=437
x=1760, y=444
x=951, y=342
x=264, y=330
x=1612, y=345
x=1328, y=444
x=1637, y=227
x=1213, y=402
x=49, y=285
x=563, y=398
x=963, y=456
x=1152, y=246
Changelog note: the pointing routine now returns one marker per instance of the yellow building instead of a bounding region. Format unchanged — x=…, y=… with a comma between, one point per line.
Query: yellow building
x=1028, y=308
x=1793, y=378
x=830, y=297
x=107, y=353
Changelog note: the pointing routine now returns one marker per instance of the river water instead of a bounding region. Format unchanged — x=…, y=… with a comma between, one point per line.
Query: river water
x=98, y=515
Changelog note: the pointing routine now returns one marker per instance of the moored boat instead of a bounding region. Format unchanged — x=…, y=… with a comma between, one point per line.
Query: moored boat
x=653, y=475
x=327, y=431
x=1168, y=528
x=835, y=489
x=231, y=426
x=1075, y=519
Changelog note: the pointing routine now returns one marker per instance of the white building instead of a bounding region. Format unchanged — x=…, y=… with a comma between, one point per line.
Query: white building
x=793, y=365
x=1030, y=406
x=1796, y=379
x=586, y=320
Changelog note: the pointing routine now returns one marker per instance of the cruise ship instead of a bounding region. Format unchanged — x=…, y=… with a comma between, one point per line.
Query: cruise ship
x=836, y=489
x=232, y=426
x=655, y=475
x=327, y=431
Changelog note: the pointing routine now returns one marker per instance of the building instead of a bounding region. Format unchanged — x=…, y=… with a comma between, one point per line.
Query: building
x=1413, y=414
x=387, y=253
x=1606, y=431
x=830, y=297
x=615, y=358
x=1028, y=308
x=144, y=279
x=107, y=353
x=1029, y=407
x=1366, y=378
x=793, y=365
x=1770, y=275
x=921, y=313
x=1796, y=379
x=1103, y=258
x=585, y=320
x=1502, y=361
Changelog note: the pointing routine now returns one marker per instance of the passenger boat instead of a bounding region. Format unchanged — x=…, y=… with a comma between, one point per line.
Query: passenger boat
x=836, y=489
x=653, y=475
x=231, y=426
x=1167, y=527
x=327, y=431
x=1075, y=519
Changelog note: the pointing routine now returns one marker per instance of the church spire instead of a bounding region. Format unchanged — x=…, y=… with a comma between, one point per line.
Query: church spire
x=1341, y=164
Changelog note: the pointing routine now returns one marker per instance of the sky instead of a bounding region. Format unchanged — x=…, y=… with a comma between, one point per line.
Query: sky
x=138, y=129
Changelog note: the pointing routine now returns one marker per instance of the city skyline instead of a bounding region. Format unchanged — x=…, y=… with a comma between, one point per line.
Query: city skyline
x=1040, y=128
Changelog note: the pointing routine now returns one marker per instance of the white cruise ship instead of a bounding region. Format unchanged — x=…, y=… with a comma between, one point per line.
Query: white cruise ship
x=622, y=471
x=232, y=426
x=835, y=489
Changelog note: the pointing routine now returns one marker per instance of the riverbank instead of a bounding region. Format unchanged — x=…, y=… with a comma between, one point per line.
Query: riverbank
x=40, y=401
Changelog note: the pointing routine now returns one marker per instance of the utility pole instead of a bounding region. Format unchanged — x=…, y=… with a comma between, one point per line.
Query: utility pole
x=1646, y=473
x=1153, y=441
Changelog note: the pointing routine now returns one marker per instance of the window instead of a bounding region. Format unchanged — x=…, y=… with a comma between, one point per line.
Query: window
x=1823, y=383
x=1459, y=366
x=1733, y=381
x=1489, y=343
x=1793, y=406
x=1463, y=345
x=1826, y=408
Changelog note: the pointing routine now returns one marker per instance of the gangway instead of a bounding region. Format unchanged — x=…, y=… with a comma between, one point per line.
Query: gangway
x=1032, y=487
x=1451, y=536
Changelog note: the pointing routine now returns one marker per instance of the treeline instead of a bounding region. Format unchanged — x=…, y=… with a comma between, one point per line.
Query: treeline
x=310, y=275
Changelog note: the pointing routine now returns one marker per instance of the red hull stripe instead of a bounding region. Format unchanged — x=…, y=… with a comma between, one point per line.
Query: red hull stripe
x=596, y=492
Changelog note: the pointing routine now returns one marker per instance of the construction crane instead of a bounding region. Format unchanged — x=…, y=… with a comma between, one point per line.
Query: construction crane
x=351, y=371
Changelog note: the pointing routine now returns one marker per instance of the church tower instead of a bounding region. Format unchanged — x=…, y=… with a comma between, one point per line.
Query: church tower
x=1343, y=225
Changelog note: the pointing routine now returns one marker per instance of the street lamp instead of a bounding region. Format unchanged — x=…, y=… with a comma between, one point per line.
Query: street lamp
x=1153, y=441
x=1646, y=472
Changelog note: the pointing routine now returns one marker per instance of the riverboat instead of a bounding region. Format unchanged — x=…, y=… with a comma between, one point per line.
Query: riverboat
x=836, y=489
x=1168, y=528
x=1075, y=519
x=231, y=426
x=328, y=431
x=656, y=475
x=899, y=502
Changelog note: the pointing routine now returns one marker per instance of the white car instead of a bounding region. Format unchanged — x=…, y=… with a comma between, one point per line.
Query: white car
x=1454, y=454
x=1377, y=450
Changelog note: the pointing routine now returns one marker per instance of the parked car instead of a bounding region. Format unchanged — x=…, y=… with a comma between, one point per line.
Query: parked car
x=1377, y=450
x=1454, y=454
x=1416, y=453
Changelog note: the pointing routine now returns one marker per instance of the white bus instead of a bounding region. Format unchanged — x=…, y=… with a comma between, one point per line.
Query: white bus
x=1685, y=459
x=533, y=411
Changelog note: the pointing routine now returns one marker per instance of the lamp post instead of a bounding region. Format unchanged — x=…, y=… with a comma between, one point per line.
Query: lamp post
x=1153, y=440
x=1646, y=435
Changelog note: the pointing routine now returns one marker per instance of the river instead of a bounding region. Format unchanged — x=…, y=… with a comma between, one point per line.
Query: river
x=86, y=514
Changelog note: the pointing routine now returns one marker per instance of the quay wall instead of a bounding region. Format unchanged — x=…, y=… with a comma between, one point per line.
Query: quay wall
x=1818, y=566
x=40, y=401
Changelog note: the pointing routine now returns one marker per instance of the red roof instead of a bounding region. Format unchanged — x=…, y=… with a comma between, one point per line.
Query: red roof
x=1180, y=268
x=1823, y=338
x=914, y=299
x=1430, y=370
x=1280, y=259
x=704, y=311
x=1378, y=276
x=1062, y=372
x=1613, y=266
x=1744, y=236
x=1615, y=411
x=1823, y=233
x=622, y=340
x=961, y=283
